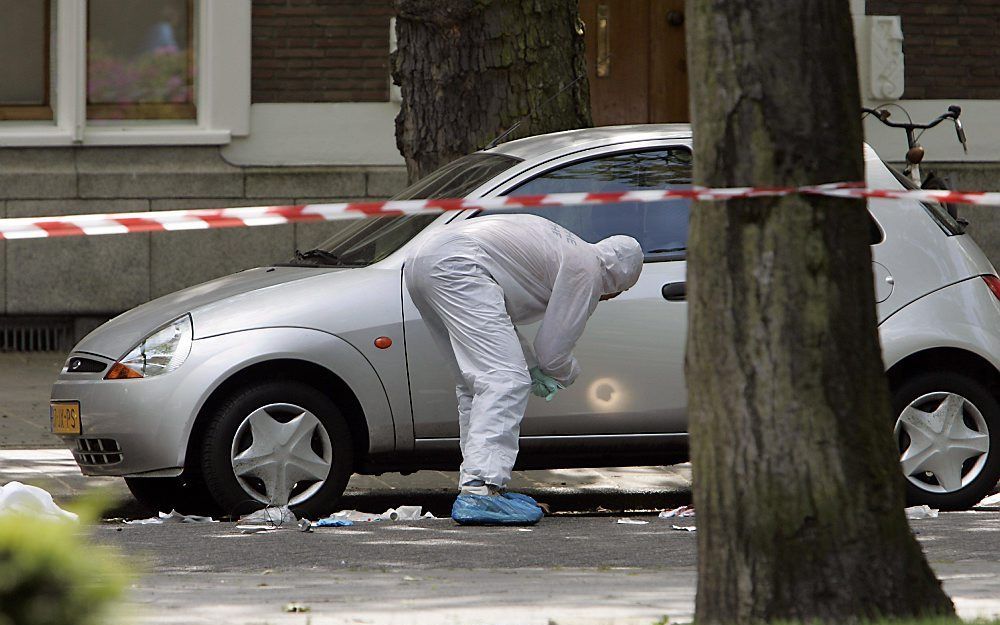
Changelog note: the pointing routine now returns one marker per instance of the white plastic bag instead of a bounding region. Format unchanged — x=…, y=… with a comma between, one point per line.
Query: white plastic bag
x=683, y=511
x=989, y=502
x=272, y=517
x=172, y=517
x=31, y=501
x=402, y=513
x=921, y=512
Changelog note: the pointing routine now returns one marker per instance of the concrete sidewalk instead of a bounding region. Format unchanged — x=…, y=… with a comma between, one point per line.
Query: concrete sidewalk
x=25, y=383
x=590, y=489
x=565, y=570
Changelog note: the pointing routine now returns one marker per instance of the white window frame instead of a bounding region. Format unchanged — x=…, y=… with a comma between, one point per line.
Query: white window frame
x=222, y=52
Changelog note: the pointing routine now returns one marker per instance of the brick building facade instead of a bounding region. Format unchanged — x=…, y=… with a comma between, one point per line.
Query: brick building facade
x=320, y=51
x=951, y=48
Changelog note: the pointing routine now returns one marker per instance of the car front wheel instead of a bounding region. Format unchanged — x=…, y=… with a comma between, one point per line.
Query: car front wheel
x=947, y=426
x=277, y=443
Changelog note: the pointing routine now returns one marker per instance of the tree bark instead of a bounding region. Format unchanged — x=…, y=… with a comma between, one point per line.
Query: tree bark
x=797, y=481
x=470, y=69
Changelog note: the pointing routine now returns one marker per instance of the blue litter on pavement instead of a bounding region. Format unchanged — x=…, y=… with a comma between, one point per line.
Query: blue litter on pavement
x=506, y=509
x=333, y=523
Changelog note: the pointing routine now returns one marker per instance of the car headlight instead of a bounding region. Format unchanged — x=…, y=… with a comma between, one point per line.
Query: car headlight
x=160, y=352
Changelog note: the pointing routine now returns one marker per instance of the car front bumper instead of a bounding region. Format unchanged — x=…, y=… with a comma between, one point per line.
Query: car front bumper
x=142, y=426
x=131, y=427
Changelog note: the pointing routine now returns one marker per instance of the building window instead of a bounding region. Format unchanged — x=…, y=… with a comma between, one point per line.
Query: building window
x=24, y=60
x=124, y=72
x=140, y=59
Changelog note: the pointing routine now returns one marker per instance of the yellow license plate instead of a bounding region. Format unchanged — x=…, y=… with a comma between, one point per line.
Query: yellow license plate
x=65, y=417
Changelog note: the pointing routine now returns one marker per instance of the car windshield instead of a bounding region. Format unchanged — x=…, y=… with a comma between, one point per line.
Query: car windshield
x=363, y=242
x=459, y=177
x=368, y=241
x=938, y=212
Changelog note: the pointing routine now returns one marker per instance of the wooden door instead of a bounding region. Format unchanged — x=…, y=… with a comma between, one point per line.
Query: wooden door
x=636, y=60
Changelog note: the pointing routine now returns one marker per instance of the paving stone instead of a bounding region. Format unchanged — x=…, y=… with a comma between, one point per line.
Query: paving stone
x=157, y=172
x=306, y=182
x=37, y=173
x=385, y=182
x=76, y=275
x=183, y=259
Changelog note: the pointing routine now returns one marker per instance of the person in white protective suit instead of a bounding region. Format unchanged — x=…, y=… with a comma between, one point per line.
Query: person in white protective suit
x=472, y=282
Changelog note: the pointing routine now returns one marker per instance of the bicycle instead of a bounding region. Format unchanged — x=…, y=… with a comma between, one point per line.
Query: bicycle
x=915, y=152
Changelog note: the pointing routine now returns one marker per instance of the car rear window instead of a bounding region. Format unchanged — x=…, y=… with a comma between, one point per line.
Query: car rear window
x=936, y=210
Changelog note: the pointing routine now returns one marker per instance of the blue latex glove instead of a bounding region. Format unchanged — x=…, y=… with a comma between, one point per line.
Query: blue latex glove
x=543, y=385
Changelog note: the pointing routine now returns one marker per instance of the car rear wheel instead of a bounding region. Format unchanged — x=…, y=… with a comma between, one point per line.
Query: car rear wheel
x=276, y=443
x=947, y=427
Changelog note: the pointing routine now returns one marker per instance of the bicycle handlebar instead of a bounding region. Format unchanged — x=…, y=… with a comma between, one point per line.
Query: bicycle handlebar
x=883, y=116
x=954, y=111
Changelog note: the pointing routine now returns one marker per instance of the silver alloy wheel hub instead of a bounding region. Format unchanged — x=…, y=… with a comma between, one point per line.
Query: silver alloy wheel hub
x=946, y=442
x=281, y=454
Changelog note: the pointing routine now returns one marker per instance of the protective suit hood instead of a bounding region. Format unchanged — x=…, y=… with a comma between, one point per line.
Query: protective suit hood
x=621, y=257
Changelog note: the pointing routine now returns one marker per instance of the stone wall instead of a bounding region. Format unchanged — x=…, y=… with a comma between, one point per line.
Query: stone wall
x=984, y=221
x=103, y=275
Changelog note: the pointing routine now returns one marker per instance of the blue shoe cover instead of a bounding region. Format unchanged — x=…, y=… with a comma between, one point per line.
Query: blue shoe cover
x=506, y=509
x=523, y=498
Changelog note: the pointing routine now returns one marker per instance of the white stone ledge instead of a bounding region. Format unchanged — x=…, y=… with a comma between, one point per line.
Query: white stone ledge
x=25, y=136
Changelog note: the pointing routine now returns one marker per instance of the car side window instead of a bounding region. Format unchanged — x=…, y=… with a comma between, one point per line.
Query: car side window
x=660, y=227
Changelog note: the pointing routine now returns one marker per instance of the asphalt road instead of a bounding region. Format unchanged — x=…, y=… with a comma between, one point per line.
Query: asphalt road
x=567, y=569
x=555, y=542
x=559, y=541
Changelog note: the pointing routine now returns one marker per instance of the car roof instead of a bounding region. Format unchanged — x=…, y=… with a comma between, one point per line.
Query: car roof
x=533, y=147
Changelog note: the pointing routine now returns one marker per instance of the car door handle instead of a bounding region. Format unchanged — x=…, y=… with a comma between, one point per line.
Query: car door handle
x=674, y=291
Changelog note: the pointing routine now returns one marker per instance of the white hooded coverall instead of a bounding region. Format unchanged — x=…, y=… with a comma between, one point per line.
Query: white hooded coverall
x=473, y=281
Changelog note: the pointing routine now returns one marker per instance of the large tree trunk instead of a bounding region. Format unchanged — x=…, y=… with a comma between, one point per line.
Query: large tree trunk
x=796, y=477
x=470, y=69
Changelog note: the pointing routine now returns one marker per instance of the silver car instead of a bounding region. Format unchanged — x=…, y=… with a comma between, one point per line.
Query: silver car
x=276, y=384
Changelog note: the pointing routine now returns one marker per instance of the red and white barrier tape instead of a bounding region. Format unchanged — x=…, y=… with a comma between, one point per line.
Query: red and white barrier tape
x=200, y=219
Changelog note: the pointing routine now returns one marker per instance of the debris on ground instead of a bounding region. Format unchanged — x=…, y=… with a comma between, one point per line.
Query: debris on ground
x=989, y=502
x=172, y=517
x=683, y=511
x=268, y=519
x=31, y=501
x=684, y=528
x=297, y=607
x=628, y=521
x=921, y=512
x=402, y=513
x=328, y=522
